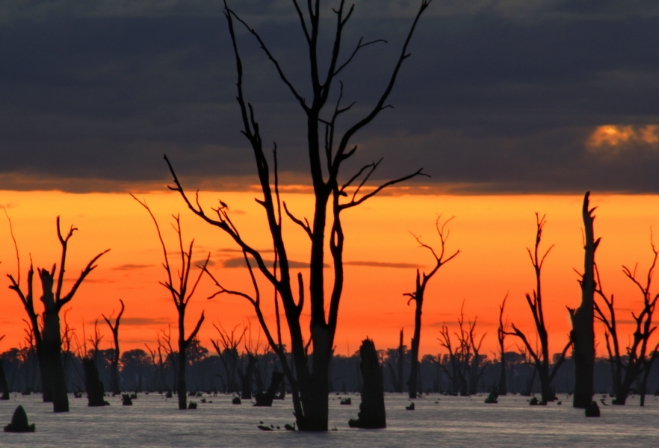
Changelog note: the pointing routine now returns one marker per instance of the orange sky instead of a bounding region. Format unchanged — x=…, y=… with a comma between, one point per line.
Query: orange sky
x=492, y=233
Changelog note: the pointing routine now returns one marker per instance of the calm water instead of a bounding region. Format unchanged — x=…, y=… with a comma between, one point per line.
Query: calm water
x=452, y=421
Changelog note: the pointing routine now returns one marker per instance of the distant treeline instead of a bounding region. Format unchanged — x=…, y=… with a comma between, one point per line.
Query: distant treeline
x=227, y=371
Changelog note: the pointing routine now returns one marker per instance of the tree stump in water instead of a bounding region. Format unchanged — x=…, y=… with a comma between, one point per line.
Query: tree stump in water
x=95, y=388
x=593, y=410
x=126, y=400
x=19, y=422
x=265, y=398
x=371, y=410
x=492, y=398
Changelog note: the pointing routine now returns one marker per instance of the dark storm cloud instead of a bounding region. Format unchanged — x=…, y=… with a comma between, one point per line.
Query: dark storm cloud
x=497, y=96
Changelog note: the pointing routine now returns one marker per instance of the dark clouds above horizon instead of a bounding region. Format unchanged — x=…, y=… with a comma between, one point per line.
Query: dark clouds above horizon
x=498, y=96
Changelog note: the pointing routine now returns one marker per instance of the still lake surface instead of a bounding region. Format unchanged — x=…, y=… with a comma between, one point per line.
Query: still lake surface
x=154, y=421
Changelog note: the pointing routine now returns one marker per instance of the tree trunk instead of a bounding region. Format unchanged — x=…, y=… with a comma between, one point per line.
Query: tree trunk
x=583, y=334
x=371, y=410
x=181, y=388
x=503, y=387
x=52, y=345
x=414, y=355
x=4, y=387
x=247, y=378
x=95, y=388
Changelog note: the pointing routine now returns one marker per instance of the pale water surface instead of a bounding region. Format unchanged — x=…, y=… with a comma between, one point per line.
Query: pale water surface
x=154, y=421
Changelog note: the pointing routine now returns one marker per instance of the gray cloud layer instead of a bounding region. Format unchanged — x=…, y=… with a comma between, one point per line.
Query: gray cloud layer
x=497, y=96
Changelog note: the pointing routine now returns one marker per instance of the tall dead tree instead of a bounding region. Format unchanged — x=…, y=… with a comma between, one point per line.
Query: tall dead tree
x=417, y=296
x=459, y=356
x=541, y=360
x=327, y=150
x=502, y=388
x=114, y=367
x=399, y=361
x=181, y=294
x=583, y=332
x=637, y=359
x=47, y=336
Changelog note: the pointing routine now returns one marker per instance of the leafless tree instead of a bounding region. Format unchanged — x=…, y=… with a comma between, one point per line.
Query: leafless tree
x=114, y=368
x=417, y=296
x=541, y=358
x=478, y=364
x=327, y=151
x=48, y=338
x=583, y=332
x=637, y=359
x=181, y=294
x=502, y=389
x=459, y=356
x=397, y=362
x=227, y=349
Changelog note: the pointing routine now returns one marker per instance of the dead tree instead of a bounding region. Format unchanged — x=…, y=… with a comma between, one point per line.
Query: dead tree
x=397, y=378
x=371, y=410
x=4, y=387
x=541, y=359
x=635, y=363
x=93, y=384
x=459, y=357
x=48, y=336
x=477, y=367
x=502, y=389
x=583, y=332
x=114, y=368
x=181, y=295
x=327, y=150
x=418, y=295
x=227, y=349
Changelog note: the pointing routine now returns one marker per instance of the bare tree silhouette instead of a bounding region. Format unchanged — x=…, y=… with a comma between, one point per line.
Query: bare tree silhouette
x=639, y=356
x=48, y=337
x=181, y=295
x=399, y=361
x=462, y=360
x=583, y=332
x=417, y=296
x=327, y=152
x=541, y=358
x=114, y=372
x=502, y=389
x=227, y=349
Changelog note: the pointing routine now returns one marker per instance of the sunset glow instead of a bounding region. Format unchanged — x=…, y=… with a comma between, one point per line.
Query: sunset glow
x=491, y=232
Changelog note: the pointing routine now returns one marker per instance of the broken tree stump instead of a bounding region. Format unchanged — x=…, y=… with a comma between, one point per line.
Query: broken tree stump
x=95, y=388
x=371, y=410
x=265, y=398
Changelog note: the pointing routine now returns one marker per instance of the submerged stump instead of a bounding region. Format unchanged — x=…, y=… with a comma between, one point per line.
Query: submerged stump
x=95, y=388
x=265, y=398
x=19, y=422
x=592, y=410
x=371, y=410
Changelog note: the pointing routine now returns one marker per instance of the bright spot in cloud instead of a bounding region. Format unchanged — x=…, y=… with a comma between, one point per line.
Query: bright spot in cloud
x=613, y=139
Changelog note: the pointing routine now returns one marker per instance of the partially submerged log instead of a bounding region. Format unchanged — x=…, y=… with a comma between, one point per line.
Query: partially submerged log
x=19, y=422
x=371, y=410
